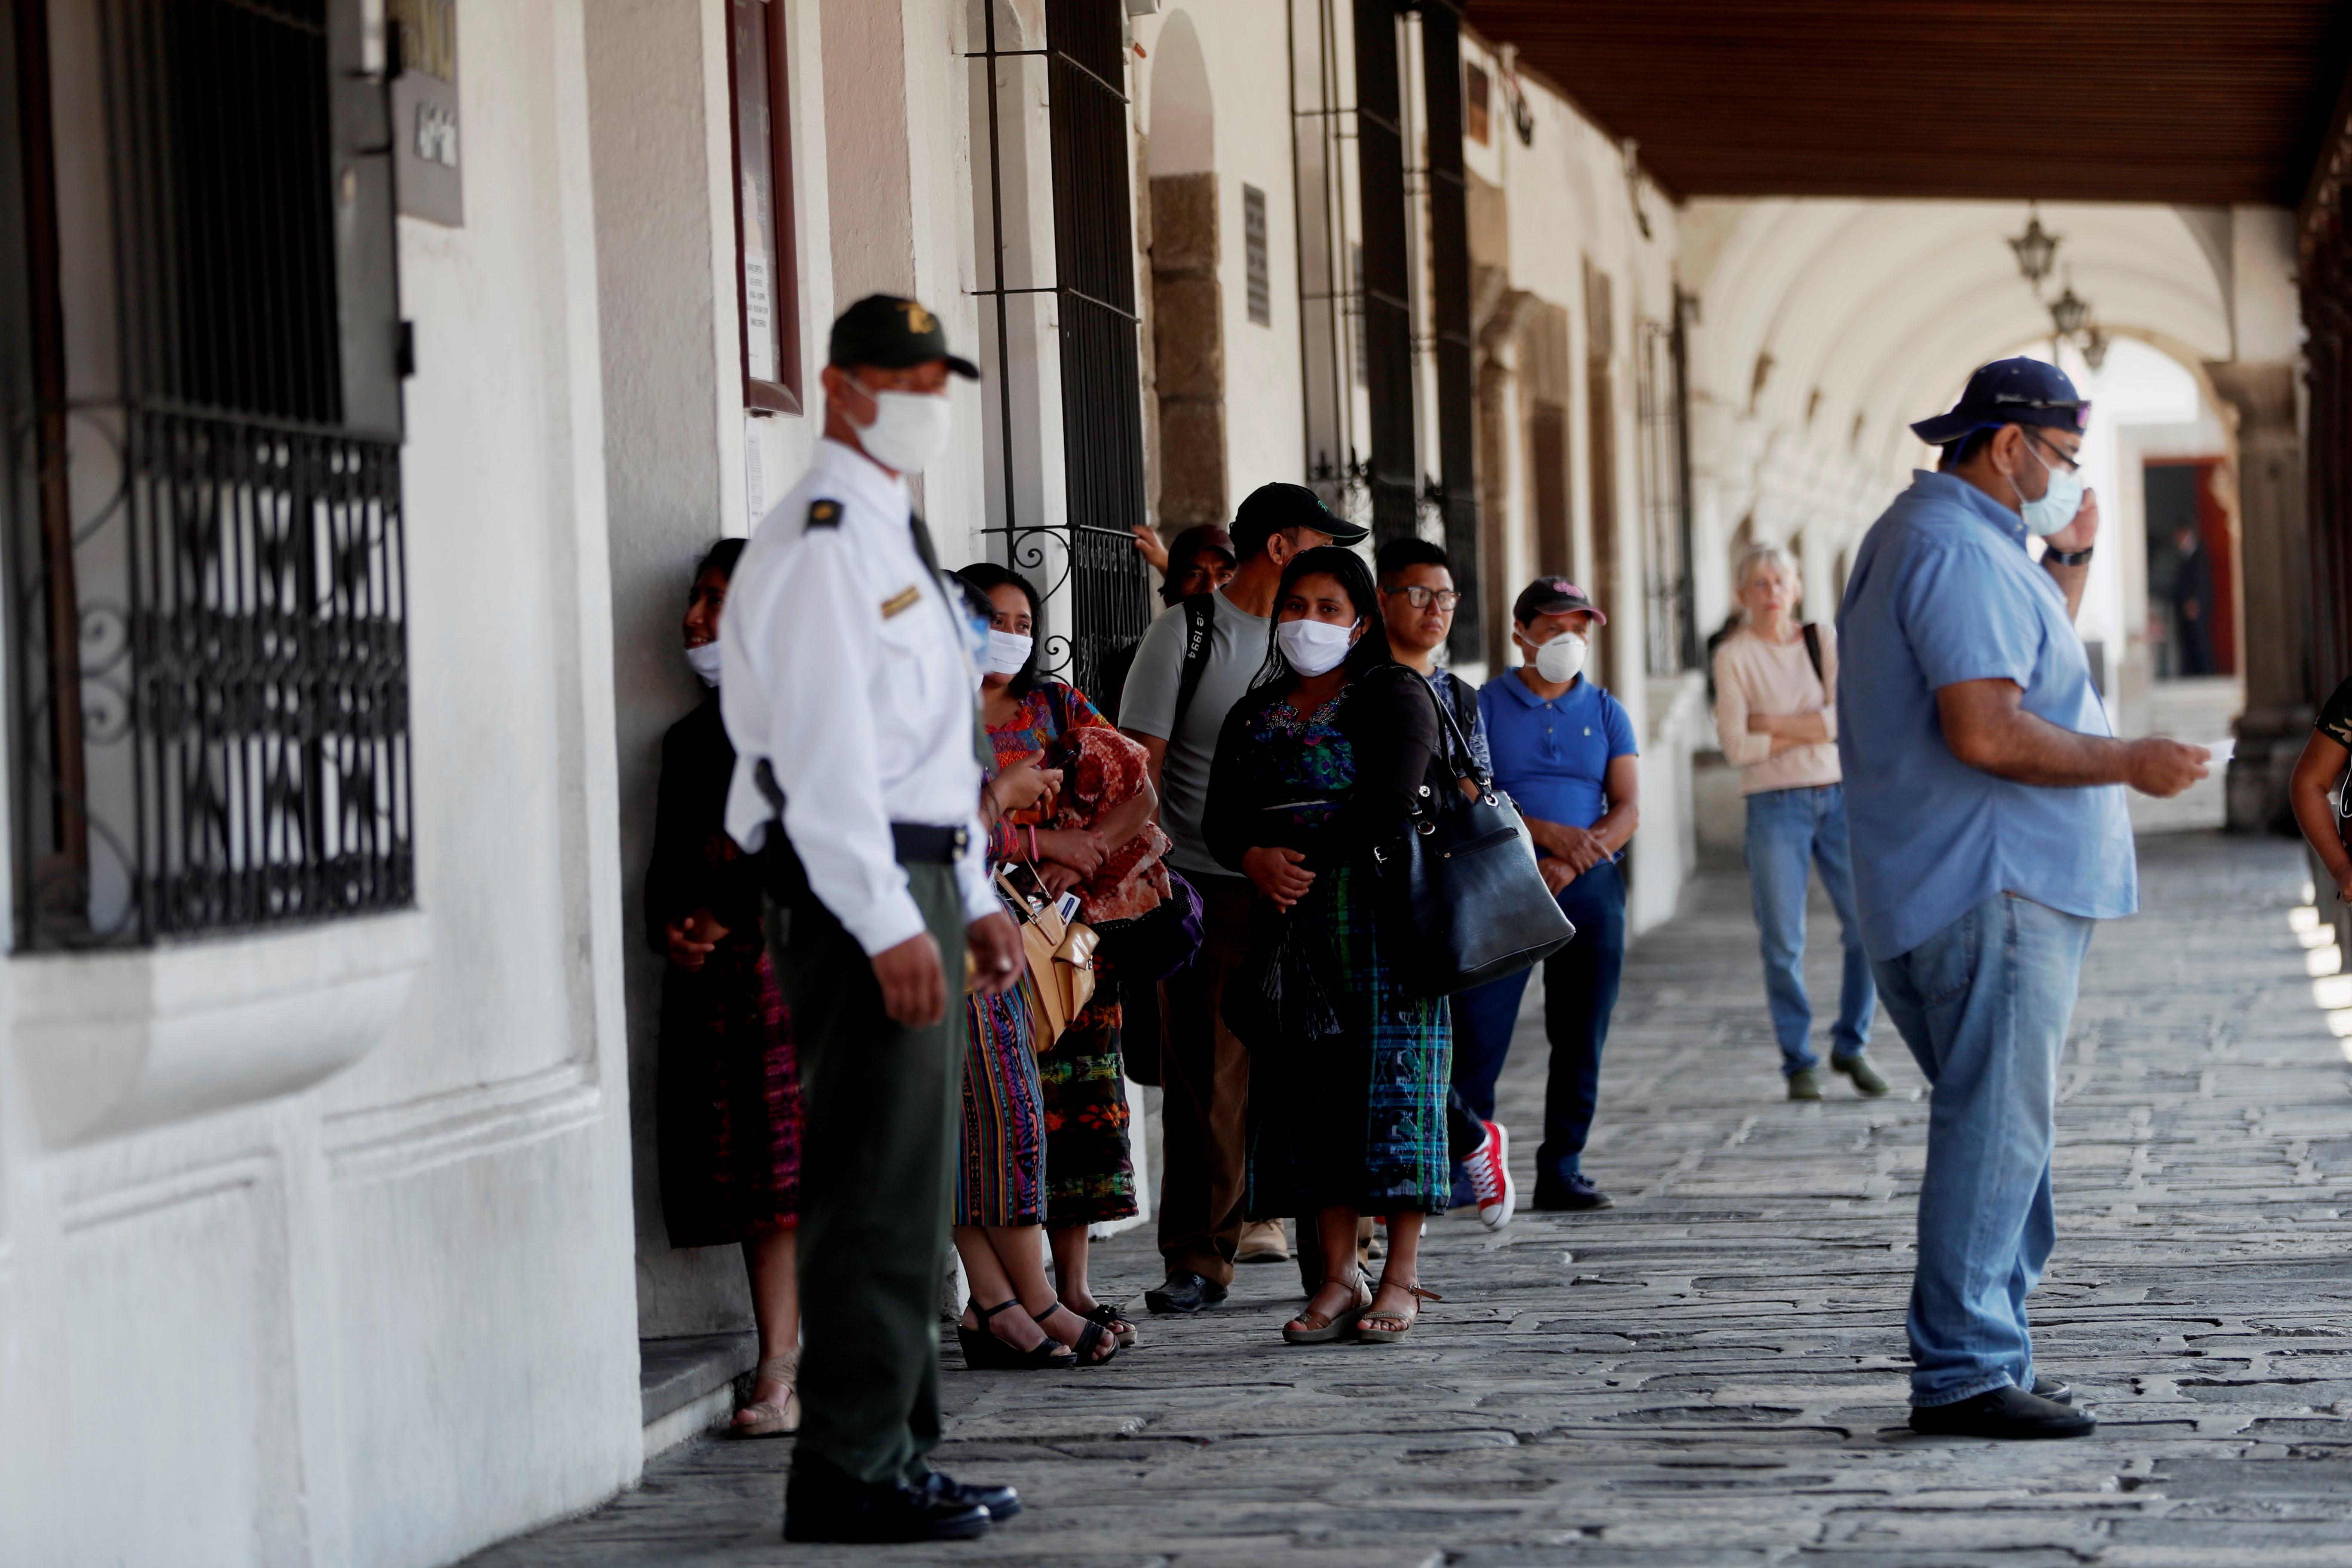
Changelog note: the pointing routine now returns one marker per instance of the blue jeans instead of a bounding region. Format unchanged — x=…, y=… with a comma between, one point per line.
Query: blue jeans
x=1790, y=833
x=1984, y=1005
x=1580, y=993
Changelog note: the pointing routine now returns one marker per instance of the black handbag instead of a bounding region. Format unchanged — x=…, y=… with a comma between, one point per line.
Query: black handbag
x=1163, y=940
x=1466, y=873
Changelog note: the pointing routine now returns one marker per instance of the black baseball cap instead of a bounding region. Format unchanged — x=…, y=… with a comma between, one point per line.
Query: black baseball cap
x=1552, y=596
x=1272, y=508
x=2018, y=391
x=884, y=330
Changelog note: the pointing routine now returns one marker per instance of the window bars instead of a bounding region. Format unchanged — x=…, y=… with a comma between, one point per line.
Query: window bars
x=1666, y=495
x=209, y=702
x=1087, y=543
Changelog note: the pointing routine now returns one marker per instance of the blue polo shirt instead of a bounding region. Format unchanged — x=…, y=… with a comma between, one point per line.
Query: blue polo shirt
x=1553, y=758
x=1943, y=591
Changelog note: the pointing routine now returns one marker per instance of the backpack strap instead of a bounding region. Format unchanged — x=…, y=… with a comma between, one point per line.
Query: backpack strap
x=1813, y=651
x=1200, y=618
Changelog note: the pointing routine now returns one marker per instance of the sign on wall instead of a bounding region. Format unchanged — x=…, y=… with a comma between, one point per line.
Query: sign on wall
x=423, y=36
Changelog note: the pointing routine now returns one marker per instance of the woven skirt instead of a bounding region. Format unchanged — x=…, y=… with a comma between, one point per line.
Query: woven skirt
x=1001, y=1178
x=728, y=1100
x=1090, y=1172
x=1356, y=1119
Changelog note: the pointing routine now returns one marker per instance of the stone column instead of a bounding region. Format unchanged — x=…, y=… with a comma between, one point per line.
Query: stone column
x=2275, y=581
x=1189, y=350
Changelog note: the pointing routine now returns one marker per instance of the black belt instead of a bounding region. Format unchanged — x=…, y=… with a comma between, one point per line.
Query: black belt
x=922, y=844
x=915, y=843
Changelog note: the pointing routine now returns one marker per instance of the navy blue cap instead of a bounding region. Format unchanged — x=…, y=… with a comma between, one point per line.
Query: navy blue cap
x=2010, y=392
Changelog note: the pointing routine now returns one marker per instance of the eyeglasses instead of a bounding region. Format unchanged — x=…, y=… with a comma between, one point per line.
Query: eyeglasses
x=1422, y=598
x=2073, y=464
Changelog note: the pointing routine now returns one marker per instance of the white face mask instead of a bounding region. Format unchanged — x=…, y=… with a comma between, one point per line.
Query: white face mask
x=1007, y=652
x=1560, y=660
x=703, y=658
x=2057, y=505
x=909, y=429
x=1313, y=648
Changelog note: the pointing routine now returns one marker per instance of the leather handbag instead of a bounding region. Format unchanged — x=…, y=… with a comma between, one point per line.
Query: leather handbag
x=1465, y=871
x=1061, y=962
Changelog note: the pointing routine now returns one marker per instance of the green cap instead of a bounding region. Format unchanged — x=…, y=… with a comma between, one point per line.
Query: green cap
x=884, y=330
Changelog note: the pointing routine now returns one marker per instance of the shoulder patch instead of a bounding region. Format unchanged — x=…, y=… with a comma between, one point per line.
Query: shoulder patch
x=825, y=514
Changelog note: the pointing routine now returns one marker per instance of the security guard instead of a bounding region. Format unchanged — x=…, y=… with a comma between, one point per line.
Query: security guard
x=850, y=694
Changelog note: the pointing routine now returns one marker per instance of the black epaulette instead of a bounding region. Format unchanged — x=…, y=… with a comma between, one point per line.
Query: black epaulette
x=825, y=514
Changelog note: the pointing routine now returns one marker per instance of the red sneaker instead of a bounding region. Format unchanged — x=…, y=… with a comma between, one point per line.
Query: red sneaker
x=1490, y=1178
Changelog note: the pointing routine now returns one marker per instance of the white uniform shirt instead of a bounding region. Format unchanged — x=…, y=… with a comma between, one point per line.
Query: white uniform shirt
x=846, y=668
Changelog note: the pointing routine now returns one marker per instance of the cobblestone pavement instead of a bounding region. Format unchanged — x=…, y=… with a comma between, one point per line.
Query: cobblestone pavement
x=1713, y=1372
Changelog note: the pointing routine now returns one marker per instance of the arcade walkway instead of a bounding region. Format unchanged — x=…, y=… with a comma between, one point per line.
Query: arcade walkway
x=1712, y=1374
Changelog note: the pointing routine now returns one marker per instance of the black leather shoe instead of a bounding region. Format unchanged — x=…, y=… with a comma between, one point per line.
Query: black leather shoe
x=2052, y=1389
x=1573, y=1196
x=2002, y=1413
x=1184, y=1293
x=1002, y=1502
x=822, y=1503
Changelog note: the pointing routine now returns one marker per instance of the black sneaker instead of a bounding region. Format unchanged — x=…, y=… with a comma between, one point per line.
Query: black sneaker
x=2051, y=1388
x=821, y=1503
x=1573, y=1196
x=1184, y=1293
x=2002, y=1413
x=1002, y=1502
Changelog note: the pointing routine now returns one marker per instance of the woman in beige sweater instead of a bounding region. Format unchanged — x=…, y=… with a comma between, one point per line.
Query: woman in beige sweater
x=1777, y=721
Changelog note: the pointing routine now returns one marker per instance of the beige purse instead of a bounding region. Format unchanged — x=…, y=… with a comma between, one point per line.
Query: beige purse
x=1061, y=955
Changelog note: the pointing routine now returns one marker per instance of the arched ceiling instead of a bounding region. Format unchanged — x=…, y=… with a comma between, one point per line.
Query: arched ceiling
x=1883, y=308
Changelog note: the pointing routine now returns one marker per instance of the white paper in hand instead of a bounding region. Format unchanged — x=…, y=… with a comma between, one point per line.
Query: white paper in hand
x=2221, y=750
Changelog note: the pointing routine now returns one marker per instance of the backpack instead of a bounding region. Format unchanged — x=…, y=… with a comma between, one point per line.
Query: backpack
x=1199, y=627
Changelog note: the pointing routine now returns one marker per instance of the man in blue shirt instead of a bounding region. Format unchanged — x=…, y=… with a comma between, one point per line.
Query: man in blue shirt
x=1988, y=832
x=1564, y=752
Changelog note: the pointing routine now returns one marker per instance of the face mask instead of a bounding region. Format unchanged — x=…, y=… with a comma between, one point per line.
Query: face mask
x=909, y=429
x=703, y=659
x=2058, y=505
x=1007, y=652
x=1561, y=659
x=1313, y=648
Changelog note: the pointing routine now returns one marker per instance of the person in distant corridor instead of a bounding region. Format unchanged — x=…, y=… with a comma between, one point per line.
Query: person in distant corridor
x=729, y=1097
x=1564, y=752
x=2192, y=605
x=1417, y=603
x=1988, y=835
x=1192, y=667
x=849, y=691
x=1199, y=560
x=1777, y=722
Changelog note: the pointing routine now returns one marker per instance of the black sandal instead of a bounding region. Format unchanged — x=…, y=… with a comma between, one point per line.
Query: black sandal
x=983, y=1352
x=1095, y=1335
x=1114, y=1322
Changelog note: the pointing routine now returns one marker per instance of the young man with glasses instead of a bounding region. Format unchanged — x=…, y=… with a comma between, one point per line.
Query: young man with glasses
x=1989, y=833
x=1417, y=603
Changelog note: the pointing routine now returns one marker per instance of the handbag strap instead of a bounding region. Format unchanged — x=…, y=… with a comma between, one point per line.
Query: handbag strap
x=1454, y=746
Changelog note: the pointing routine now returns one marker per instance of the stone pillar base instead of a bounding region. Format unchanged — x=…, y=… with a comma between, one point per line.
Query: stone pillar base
x=2255, y=790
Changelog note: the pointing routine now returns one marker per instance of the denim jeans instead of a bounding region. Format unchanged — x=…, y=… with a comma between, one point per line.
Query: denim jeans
x=1984, y=1005
x=1791, y=832
x=1580, y=993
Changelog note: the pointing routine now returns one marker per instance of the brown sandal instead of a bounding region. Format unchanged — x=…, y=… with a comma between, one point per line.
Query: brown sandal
x=1312, y=1328
x=1390, y=1336
x=771, y=1418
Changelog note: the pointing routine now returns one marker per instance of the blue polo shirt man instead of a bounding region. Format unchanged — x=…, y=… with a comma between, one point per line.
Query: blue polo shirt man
x=1563, y=750
x=1988, y=835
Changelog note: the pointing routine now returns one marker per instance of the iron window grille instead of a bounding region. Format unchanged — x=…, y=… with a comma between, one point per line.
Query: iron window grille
x=1088, y=547
x=1665, y=413
x=209, y=710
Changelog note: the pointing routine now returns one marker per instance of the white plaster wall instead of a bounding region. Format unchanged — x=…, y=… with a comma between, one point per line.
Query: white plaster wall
x=389, y=1319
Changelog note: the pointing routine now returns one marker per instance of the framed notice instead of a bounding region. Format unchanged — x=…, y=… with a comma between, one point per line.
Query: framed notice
x=767, y=289
x=422, y=38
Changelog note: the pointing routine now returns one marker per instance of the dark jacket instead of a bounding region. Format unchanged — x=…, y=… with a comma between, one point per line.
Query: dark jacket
x=1389, y=717
x=695, y=865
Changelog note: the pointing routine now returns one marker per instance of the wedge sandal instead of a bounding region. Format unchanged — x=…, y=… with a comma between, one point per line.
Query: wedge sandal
x=771, y=1418
x=1372, y=1336
x=983, y=1352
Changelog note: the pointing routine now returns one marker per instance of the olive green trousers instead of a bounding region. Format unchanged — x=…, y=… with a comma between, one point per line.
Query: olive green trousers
x=877, y=1180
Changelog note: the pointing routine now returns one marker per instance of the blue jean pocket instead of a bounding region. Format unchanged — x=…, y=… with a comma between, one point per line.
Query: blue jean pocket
x=1943, y=967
